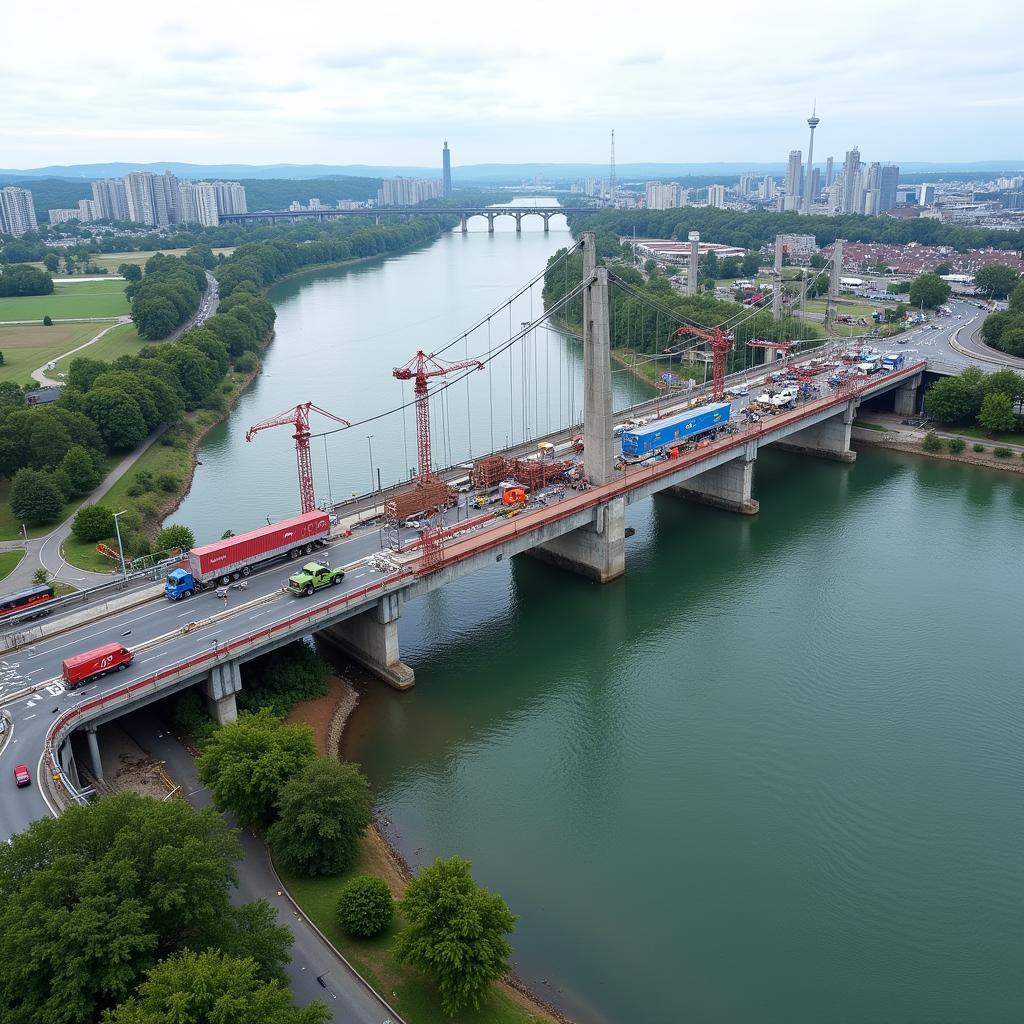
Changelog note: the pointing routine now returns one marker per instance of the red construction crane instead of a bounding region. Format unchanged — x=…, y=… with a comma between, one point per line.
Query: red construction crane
x=720, y=342
x=781, y=346
x=299, y=419
x=420, y=368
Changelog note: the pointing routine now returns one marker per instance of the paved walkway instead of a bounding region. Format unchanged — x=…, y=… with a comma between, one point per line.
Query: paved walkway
x=45, y=551
x=40, y=374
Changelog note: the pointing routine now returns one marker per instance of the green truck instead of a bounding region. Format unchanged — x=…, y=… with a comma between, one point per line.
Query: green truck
x=312, y=576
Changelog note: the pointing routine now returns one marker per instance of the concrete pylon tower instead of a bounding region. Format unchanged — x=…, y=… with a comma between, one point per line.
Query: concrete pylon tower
x=598, y=444
x=691, y=273
x=777, y=280
x=837, y=269
x=812, y=122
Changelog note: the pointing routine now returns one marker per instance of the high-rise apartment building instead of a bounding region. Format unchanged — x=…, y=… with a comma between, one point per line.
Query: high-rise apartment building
x=407, y=191
x=62, y=216
x=230, y=197
x=890, y=178
x=664, y=195
x=142, y=199
x=111, y=199
x=17, y=212
x=199, y=203
x=746, y=186
x=87, y=210
x=794, y=177
x=446, y=170
x=766, y=190
x=828, y=172
x=815, y=189
x=716, y=196
x=851, y=182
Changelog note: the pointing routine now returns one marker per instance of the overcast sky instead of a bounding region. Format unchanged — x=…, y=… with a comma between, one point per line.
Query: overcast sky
x=384, y=83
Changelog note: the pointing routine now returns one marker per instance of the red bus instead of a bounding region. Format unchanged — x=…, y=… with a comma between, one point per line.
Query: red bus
x=27, y=599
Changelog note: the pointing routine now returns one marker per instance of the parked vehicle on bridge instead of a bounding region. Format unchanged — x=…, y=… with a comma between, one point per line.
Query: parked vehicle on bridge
x=225, y=560
x=313, y=576
x=35, y=599
x=22, y=776
x=642, y=441
x=82, y=668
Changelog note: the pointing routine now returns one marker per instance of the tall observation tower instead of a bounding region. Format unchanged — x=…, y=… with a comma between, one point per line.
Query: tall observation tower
x=812, y=122
x=446, y=166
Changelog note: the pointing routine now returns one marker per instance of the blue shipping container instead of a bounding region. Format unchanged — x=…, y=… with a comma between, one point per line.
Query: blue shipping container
x=667, y=432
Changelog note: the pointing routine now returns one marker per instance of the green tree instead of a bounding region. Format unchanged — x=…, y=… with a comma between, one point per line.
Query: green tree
x=943, y=268
x=81, y=470
x=996, y=280
x=929, y=290
x=155, y=316
x=131, y=272
x=932, y=442
x=1017, y=298
x=92, y=523
x=47, y=321
x=818, y=261
x=52, y=262
x=997, y=413
x=122, y=425
x=174, y=536
x=35, y=498
x=956, y=399
x=21, y=279
x=211, y=988
x=1008, y=382
x=247, y=763
x=322, y=812
x=90, y=901
x=365, y=906
x=456, y=933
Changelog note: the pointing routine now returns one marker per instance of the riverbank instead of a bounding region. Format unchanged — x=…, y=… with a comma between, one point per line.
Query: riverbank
x=881, y=434
x=413, y=995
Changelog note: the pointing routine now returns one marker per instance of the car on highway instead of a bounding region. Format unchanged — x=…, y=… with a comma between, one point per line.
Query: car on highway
x=414, y=524
x=21, y=776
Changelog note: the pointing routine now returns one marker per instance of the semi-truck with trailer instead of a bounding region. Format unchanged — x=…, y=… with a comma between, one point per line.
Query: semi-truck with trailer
x=219, y=563
x=641, y=441
x=82, y=668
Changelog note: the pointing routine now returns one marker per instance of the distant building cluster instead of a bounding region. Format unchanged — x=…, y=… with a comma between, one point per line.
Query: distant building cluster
x=408, y=191
x=913, y=259
x=157, y=200
x=17, y=214
x=315, y=204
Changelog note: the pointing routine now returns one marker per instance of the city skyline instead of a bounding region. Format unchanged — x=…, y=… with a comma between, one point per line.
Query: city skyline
x=236, y=93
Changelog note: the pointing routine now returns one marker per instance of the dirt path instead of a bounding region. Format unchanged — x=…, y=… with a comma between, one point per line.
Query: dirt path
x=40, y=374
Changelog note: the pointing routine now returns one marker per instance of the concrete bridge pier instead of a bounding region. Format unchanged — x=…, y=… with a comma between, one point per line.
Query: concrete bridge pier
x=728, y=486
x=596, y=552
x=465, y=224
x=371, y=638
x=906, y=397
x=220, y=688
x=490, y=223
x=829, y=439
x=519, y=223
x=547, y=218
x=66, y=758
x=94, y=752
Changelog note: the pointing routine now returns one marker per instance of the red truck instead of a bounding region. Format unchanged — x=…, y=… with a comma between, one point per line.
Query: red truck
x=81, y=668
x=228, y=559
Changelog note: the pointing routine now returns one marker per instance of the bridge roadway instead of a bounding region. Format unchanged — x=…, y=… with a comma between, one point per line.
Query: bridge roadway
x=464, y=213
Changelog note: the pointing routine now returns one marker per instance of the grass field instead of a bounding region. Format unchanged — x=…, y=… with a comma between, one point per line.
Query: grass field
x=81, y=299
x=27, y=348
x=984, y=435
x=122, y=340
x=112, y=260
x=409, y=992
x=845, y=308
x=9, y=562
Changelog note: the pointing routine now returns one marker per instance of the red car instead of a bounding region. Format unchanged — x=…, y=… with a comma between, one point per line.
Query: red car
x=21, y=775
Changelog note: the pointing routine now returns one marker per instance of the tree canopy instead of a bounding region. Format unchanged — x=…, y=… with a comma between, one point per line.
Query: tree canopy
x=21, y=279
x=996, y=280
x=90, y=901
x=928, y=290
x=455, y=932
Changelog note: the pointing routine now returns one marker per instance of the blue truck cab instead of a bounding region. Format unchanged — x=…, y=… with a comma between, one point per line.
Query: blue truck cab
x=179, y=584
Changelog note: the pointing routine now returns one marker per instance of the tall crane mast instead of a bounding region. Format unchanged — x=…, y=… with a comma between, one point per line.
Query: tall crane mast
x=299, y=419
x=420, y=369
x=721, y=342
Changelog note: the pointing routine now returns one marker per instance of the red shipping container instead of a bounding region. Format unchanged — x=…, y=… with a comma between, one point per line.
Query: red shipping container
x=225, y=556
x=80, y=668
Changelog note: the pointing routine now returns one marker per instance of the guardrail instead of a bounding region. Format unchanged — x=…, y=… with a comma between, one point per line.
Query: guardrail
x=188, y=667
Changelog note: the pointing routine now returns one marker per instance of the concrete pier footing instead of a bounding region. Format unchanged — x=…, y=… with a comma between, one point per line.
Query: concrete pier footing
x=94, y=753
x=220, y=687
x=906, y=397
x=727, y=487
x=371, y=639
x=829, y=439
x=597, y=552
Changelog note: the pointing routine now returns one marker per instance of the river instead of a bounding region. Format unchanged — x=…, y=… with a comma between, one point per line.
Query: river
x=773, y=774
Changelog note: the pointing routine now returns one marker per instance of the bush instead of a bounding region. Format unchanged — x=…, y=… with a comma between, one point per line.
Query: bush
x=41, y=575
x=189, y=714
x=167, y=482
x=956, y=445
x=1002, y=453
x=227, y=387
x=932, y=442
x=174, y=536
x=47, y=321
x=365, y=906
x=977, y=447
x=246, y=362
x=92, y=523
x=283, y=678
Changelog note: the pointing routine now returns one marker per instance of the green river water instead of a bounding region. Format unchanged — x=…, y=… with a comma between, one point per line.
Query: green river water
x=774, y=774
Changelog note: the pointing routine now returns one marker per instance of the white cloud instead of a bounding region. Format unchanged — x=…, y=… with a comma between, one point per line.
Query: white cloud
x=310, y=82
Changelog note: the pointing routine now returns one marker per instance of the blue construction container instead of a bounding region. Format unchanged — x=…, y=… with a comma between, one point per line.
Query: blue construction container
x=673, y=430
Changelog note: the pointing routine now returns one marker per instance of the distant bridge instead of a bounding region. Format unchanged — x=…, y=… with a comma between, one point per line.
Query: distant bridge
x=490, y=212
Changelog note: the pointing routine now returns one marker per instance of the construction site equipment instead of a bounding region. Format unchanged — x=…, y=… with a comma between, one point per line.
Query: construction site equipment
x=299, y=419
x=721, y=342
x=513, y=496
x=536, y=473
x=420, y=369
x=425, y=496
x=488, y=471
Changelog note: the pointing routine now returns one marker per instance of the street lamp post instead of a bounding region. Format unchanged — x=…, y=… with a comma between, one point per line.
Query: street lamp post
x=120, y=546
x=370, y=446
